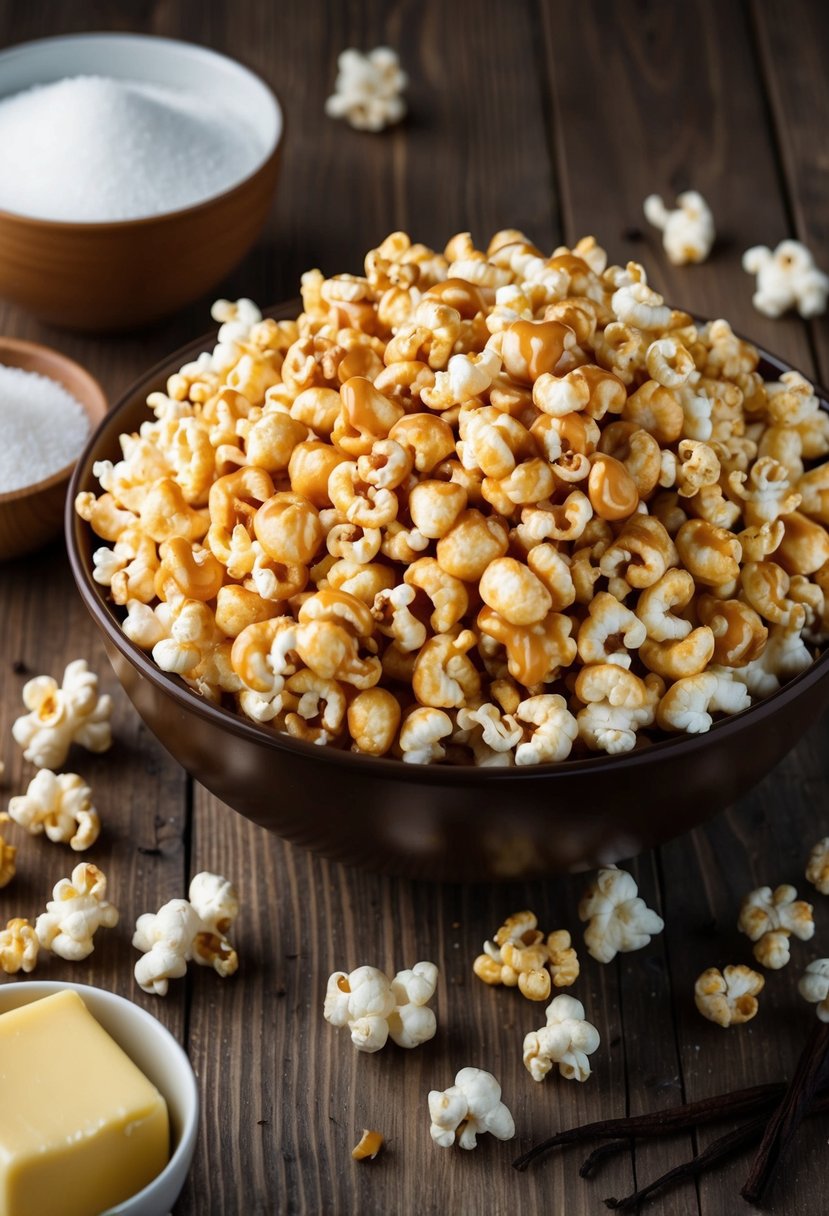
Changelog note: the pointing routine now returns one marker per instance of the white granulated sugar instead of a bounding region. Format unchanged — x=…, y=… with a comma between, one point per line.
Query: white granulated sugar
x=42, y=428
x=89, y=148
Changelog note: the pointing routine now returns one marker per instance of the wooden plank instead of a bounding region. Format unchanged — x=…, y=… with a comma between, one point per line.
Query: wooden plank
x=646, y=100
x=674, y=111
x=793, y=39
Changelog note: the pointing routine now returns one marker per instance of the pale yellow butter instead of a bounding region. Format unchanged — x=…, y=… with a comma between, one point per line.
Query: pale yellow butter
x=81, y=1127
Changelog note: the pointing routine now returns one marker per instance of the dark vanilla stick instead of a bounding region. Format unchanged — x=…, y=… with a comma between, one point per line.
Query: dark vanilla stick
x=811, y=1073
x=666, y=1122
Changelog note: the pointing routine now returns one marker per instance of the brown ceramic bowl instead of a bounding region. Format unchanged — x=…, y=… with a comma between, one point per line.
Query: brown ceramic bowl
x=32, y=515
x=438, y=822
x=110, y=276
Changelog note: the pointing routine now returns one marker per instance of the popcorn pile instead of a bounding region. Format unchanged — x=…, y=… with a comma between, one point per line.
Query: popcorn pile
x=486, y=507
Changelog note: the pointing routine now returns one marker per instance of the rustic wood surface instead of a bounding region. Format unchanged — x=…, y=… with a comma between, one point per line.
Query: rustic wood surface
x=558, y=119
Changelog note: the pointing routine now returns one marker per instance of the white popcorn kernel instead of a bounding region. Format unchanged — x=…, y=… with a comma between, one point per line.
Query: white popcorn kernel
x=787, y=277
x=77, y=910
x=61, y=806
x=375, y=1008
x=619, y=920
x=567, y=1040
x=61, y=715
x=368, y=89
x=687, y=231
x=814, y=986
x=728, y=997
x=467, y=1109
x=769, y=918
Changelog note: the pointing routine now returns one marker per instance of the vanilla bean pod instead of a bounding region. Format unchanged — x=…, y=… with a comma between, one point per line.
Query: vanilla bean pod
x=600, y=1154
x=718, y=1150
x=666, y=1122
x=811, y=1073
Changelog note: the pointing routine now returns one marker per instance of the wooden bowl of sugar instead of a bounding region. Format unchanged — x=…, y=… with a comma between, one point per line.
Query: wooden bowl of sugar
x=137, y=171
x=49, y=406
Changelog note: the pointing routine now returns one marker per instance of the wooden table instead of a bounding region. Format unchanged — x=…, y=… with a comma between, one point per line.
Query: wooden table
x=558, y=119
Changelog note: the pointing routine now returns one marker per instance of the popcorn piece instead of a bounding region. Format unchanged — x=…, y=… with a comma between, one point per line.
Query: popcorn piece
x=61, y=806
x=166, y=937
x=185, y=929
x=368, y=89
x=369, y=1145
x=564, y=961
x=786, y=278
x=728, y=997
x=75, y=913
x=469, y=1108
x=768, y=918
x=8, y=866
x=619, y=920
x=19, y=947
x=814, y=986
x=817, y=867
x=567, y=1040
x=374, y=1008
x=688, y=231
x=72, y=712
x=217, y=905
x=518, y=956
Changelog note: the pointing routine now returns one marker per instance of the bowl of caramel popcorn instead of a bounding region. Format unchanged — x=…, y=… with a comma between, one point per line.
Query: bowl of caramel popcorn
x=484, y=563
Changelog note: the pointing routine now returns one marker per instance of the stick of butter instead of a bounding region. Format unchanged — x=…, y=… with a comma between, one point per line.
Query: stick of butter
x=81, y=1127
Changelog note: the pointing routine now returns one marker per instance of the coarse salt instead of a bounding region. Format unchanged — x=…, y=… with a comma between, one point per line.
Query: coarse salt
x=43, y=428
x=90, y=148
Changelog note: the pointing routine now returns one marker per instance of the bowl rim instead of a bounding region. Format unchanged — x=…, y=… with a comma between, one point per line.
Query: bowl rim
x=381, y=766
x=94, y=406
x=115, y=226
x=190, y=1124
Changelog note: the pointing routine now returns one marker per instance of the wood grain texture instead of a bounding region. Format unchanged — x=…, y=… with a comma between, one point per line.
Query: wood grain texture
x=558, y=119
x=793, y=43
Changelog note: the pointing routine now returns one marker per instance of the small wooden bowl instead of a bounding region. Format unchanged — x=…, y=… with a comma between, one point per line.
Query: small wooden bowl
x=108, y=277
x=32, y=515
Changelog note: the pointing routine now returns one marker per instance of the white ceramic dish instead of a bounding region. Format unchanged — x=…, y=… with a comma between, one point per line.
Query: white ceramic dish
x=151, y=1046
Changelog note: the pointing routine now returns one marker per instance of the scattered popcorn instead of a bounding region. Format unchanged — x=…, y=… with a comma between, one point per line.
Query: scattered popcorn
x=61, y=715
x=786, y=278
x=469, y=1108
x=19, y=947
x=567, y=1040
x=166, y=938
x=619, y=920
x=768, y=918
x=75, y=913
x=814, y=986
x=61, y=806
x=520, y=957
x=564, y=961
x=728, y=997
x=368, y=89
x=817, y=867
x=687, y=232
x=369, y=1145
x=217, y=905
x=374, y=1008
x=185, y=929
x=8, y=865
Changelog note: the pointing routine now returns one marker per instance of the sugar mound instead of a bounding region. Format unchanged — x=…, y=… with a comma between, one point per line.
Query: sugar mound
x=43, y=427
x=90, y=148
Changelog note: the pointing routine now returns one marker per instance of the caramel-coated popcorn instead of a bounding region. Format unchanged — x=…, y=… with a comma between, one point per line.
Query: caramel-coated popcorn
x=476, y=506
